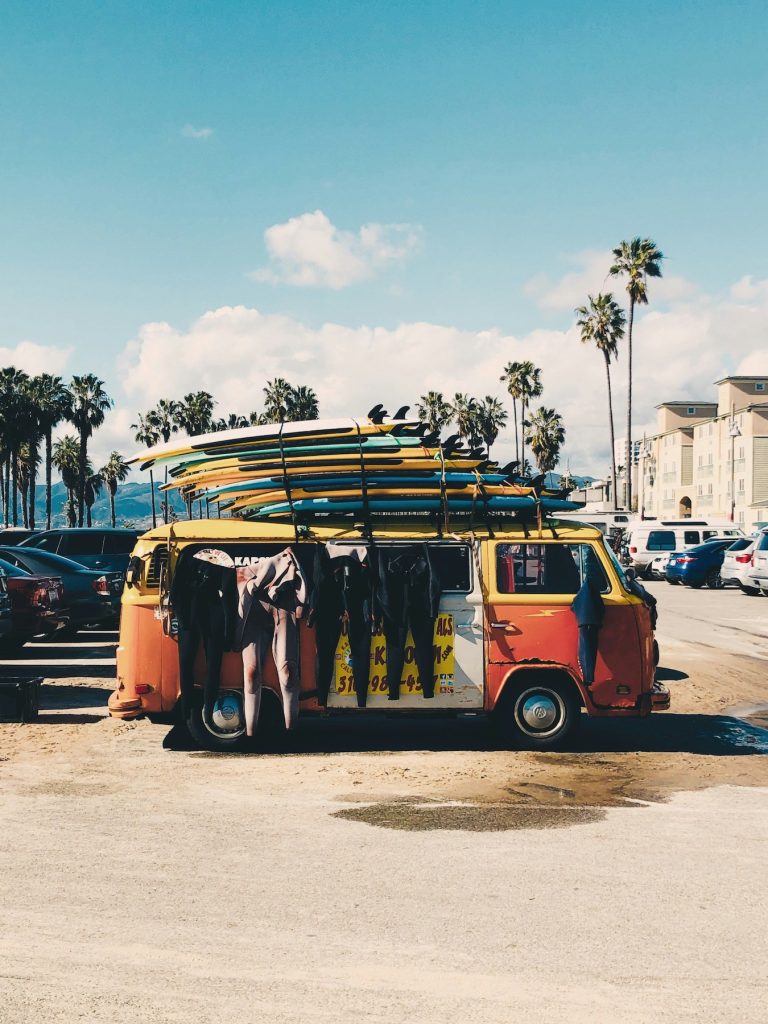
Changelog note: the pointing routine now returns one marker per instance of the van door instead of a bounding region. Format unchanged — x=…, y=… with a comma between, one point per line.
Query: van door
x=458, y=644
x=532, y=586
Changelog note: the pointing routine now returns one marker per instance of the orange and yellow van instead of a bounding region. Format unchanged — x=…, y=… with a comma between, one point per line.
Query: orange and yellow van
x=506, y=638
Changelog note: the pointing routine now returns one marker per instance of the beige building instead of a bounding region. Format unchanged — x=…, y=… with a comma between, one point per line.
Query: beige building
x=709, y=459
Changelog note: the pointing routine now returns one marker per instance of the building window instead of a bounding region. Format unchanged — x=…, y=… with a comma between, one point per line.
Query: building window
x=701, y=460
x=759, y=387
x=741, y=486
x=691, y=410
x=709, y=488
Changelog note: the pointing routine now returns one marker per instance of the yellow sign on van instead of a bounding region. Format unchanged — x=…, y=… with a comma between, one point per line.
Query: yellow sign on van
x=409, y=683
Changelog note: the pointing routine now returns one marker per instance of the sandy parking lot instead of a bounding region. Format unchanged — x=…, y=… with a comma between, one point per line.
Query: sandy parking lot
x=395, y=871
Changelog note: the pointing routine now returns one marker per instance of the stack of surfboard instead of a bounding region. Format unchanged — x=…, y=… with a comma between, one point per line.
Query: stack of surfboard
x=374, y=464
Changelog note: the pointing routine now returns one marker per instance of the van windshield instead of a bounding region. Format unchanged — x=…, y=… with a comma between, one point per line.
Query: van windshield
x=616, y=565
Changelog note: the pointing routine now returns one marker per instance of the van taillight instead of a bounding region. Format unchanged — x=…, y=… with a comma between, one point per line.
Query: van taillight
x=101, y=585
x=633, y=551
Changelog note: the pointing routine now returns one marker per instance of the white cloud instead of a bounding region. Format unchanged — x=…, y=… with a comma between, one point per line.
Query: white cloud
x=233, y=350
x=590, y=276
x=310, y=251
x=189, y=131
x=34, y=358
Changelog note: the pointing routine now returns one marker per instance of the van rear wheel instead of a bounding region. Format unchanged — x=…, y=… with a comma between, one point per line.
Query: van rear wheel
x=224, y=729
x=539, y=714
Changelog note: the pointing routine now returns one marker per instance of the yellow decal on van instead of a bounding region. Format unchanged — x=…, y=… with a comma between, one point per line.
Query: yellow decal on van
x=444, y=663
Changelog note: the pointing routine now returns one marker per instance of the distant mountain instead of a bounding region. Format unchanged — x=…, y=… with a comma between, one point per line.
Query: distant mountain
x=133, y=505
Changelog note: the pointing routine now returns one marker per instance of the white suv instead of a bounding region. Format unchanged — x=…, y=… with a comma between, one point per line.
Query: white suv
x=758, y=574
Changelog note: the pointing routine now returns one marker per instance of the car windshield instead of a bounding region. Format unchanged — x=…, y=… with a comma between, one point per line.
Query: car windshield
x=29, y=556
x=740, y=544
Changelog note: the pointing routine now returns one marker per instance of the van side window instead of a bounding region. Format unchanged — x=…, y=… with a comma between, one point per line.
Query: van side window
x=710, y=533
x=691, y=537
x=48, y=543
x=661, y=540
x=530, y=568
x=75, y=544
x=119, y=543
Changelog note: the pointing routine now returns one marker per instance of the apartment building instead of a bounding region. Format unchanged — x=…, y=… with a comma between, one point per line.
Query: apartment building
x=709, y=458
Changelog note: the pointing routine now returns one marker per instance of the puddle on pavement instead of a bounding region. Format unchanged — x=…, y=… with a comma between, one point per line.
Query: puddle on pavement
x=428, y=816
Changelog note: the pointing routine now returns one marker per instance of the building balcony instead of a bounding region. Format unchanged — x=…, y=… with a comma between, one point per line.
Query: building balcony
x=669, y=478
x=705, y=471
x=705, y=501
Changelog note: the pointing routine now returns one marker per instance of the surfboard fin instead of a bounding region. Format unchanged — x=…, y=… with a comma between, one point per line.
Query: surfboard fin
x=401, y=413
x=377, y=413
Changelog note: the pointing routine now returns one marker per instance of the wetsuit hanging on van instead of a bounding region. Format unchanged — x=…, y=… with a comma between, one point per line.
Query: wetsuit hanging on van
x=272, y=593
x=408, y=594
x=342, y=588
x=203, y=597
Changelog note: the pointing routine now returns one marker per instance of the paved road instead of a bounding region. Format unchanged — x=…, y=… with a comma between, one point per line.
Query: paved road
x=392, y=873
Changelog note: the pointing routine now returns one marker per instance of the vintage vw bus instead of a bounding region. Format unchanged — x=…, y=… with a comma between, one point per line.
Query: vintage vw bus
x=506, y=637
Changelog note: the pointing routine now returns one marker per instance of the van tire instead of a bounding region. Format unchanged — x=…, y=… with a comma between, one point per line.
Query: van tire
x=714, y=581
x=204, y=737
x=552, y=693
x=749, y=591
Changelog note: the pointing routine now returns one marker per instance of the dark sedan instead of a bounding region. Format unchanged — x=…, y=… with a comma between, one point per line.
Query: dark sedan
x=36, y=604
x=90, y=597
x=698, y=565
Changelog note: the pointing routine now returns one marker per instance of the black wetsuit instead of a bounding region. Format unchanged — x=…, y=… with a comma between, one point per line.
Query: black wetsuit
x=204, y=601
x=589, y=609
x=408, y=594
x=341, y=584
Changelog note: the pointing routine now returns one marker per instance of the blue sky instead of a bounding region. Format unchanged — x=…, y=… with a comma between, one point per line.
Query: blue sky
x=147, y=147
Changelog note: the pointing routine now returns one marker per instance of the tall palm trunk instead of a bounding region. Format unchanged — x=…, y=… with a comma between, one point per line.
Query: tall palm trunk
x=48, y=475
x=514, y=420
x=2, y=491
x=7, y=490
x=522, y=437
x=15, y=471
x=82, y=462
x=165, y=499
x=628, y=459
x=613, y=438
x=112, y=507
x=152, y=487
x=71, y=509
x=24, y=508
x=34, y=454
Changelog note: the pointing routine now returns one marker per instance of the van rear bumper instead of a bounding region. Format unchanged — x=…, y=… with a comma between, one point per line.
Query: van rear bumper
x=119, y=708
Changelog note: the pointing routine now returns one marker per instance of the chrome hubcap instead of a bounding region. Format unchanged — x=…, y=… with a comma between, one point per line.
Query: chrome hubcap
x=227, y=718
x=540, y=712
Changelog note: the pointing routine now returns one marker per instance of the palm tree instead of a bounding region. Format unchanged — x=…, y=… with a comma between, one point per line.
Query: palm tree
x=546, y=436
x=14, y=428
x=93, y=485
x=276, y=396
x=147, y=432
x=512, y=377
x=89, y=404
x=256, y=419
x=637, y=261
x=195, y=413
x=165, y=418
x=603, y=322
x=53, y=405
x=302, y=404
x=491, y=417
x=114, y=472
x=465, y=416
x=433, y=409
x=530, y=386
x=66, y=458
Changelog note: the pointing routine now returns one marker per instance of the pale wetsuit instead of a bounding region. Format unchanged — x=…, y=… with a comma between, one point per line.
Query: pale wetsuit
x=271, y=597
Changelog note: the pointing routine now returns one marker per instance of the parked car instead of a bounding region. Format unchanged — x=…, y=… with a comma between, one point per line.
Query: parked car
x=6, y=623
x=737, y=564
x=15, y=534
x=698, y=565
x=90, y=597
x=36, y=604
x=104, y=549
x=657, y=536
x=659, y=566
x=758, y=574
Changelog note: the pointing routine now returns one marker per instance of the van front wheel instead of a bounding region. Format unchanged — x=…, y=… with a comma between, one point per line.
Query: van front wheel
x=539, y=715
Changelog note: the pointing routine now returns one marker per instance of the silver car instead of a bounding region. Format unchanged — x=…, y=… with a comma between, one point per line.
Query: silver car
x=737, y=564
x=758, y=573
